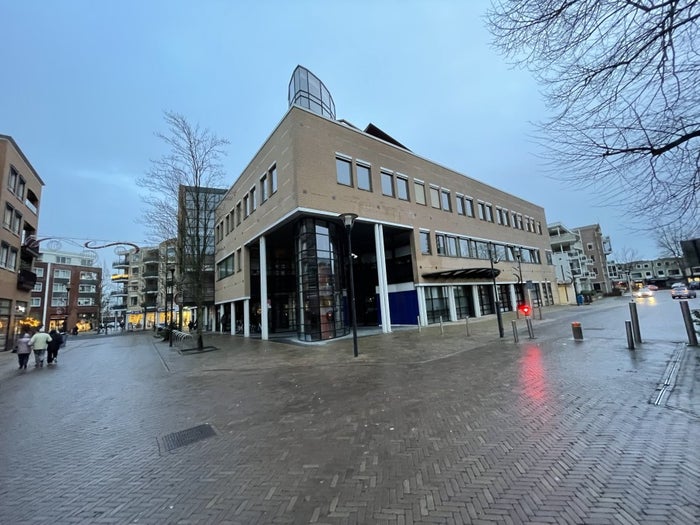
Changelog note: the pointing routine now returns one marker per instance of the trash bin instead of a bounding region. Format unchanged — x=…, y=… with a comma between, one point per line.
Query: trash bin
x=579, y=299
x=577, y=331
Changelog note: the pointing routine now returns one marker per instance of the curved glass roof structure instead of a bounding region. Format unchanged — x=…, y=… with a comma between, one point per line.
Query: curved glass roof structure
x=307, y=91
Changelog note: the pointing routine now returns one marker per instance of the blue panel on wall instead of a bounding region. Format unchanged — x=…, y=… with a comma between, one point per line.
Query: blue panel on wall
x=403, y=307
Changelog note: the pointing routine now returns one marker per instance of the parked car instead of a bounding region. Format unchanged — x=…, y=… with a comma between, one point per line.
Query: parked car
x=643, y=292
x=677, y=285
x=683, y=292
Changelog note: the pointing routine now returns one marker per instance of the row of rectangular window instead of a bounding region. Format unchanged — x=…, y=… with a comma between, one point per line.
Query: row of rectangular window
x=230, y=265
x=60, y=302
x=12, y=220
x=249, y=203
x=396, y=185
x=16, y=183
x=465, y=247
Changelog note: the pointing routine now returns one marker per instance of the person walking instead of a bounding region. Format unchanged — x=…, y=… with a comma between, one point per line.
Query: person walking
x=23, y=350
x=52, y=348
x=39, y=342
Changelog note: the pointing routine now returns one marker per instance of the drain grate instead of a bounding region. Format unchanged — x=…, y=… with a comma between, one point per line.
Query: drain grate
x=187, y=436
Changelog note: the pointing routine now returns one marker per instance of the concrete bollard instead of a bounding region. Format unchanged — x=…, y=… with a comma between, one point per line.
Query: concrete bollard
x=466, y=322
x=418, y=322
x=514, y=324
x=442, y=330
x=577, y=331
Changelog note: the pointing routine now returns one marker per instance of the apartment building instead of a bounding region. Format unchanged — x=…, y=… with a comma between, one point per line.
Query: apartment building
x=573, y=269
x=597, y=247
x=20, y=195
x=144, y=291
x=428, y=244
x=68, y=290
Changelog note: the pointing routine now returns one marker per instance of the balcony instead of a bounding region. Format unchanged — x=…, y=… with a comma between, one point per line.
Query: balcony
x=118, y=293
x=122, y=263
x=120, y=277
x=26, y=280
x=150, y=275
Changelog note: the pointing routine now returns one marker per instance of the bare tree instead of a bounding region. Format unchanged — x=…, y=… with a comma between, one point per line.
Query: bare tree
x=623, y=81
x=182, y=180
x=668, y=239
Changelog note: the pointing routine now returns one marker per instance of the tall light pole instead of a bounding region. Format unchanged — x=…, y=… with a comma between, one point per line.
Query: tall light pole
x=519, y=256
x=492, y=256
x=348, y=221
x=172, y=294
x=67, y=307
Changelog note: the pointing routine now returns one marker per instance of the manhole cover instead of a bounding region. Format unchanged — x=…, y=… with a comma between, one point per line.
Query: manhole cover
x=187, y=436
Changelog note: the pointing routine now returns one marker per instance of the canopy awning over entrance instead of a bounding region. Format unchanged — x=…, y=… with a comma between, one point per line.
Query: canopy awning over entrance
x=464, y=273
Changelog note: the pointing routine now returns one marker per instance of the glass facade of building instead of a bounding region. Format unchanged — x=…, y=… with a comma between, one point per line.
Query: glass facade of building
x=319, y=280
x=307, y=91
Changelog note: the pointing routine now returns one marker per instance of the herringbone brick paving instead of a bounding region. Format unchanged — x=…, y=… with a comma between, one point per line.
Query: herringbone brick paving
x=414, y=431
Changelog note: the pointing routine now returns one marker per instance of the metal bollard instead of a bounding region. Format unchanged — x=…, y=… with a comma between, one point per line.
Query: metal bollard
x=442, y=330
x=514, y=324
x=689, y=328
x=418, y=322
x=577, y=331
x=630, y=339
x=466, y=322
x=635, y=323
x=530, y=331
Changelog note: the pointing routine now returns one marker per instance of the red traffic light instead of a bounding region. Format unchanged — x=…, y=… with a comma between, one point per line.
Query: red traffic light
x=525, y=309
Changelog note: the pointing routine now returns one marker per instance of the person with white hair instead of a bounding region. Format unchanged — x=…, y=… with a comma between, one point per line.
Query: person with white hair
x=39, y=342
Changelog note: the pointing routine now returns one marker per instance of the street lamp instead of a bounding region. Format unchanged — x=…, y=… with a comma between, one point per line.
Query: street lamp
x=172, y=293
x=492, y=256
x=65, y=323
x=348, y=221
x=519, y=256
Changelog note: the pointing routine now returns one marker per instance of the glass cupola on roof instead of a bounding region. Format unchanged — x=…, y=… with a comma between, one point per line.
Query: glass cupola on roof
x=307, y=91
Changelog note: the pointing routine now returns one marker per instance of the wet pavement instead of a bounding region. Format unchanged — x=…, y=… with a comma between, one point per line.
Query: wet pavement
x=429, y=426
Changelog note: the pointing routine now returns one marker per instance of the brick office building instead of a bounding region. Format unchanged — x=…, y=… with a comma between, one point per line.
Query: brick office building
x=423, y=242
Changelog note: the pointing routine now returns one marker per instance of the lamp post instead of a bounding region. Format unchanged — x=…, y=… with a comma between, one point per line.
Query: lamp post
x=519, y=256
x=65, y=323
x=492, y=256
x=172, y=294
x=348, y=221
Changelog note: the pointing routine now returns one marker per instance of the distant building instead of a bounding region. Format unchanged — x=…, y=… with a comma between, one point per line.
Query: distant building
x=660, y=272
x=691, y=258
x=68, y=291
x=573, y=269
x=597, y=247
x=194, y=269
x=427, y=245
x=20, y=195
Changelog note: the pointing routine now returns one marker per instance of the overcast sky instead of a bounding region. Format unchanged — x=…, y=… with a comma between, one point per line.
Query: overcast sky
x=85, y=85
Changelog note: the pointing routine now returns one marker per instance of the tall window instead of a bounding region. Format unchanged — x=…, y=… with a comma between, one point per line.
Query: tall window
x=489, y=212
x=263, y=191
x=482, y=210
x=387, y=184
x=343, y=171
x=253, y=200
x=469, y=206
x=459, y=204
x=425, y=243
x=419, y=191
x=402, y=188
x=445, y=200
x=364, y=179
x=434, y=197
x=273, y=179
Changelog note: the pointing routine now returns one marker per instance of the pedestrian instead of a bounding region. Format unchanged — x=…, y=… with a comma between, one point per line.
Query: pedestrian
x=23, y=350
x=52, y=348
x=39, y=342
x=190, y=325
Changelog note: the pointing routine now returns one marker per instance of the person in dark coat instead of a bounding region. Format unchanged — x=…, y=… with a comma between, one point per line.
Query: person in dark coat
x=53, y=346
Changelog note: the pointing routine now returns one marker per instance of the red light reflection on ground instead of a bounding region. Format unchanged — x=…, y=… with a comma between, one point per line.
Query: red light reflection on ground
x=532, y=375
